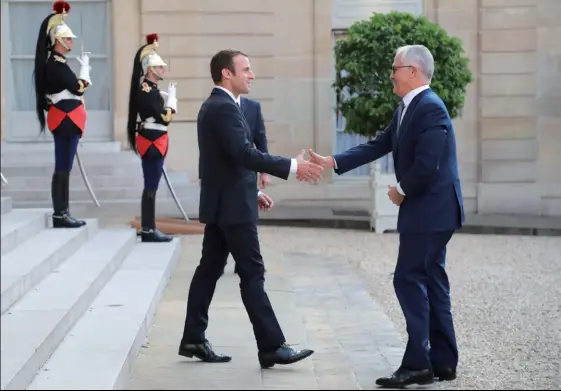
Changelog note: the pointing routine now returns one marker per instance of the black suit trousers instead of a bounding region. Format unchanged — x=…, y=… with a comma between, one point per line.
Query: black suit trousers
x=241, y=240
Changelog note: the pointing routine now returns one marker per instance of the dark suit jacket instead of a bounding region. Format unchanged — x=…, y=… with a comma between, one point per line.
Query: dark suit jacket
x=426, y=165
x=251, y=109
x=228, y=163
x=252, y=112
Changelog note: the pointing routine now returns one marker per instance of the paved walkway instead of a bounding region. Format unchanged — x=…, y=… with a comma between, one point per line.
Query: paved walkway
x=321, y=303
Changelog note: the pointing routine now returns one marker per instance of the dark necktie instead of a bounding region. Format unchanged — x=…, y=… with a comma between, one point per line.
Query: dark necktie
x=399, y=114
x=248, y=128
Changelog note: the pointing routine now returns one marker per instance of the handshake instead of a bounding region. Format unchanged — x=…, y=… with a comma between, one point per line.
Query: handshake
x=311, y=170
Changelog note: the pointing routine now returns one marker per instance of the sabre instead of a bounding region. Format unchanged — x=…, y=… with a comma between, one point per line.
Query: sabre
x=78, y=160
x=4, y=181
x=86, y=181
x=166, y=177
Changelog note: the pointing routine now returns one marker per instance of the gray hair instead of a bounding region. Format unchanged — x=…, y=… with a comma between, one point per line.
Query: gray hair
x=419, y=56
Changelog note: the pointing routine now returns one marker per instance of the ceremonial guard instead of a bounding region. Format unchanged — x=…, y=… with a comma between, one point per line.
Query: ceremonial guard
x=148, y=136
x=59, y=92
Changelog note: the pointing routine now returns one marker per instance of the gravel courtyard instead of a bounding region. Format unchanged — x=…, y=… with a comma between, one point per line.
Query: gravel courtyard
x=506, y=298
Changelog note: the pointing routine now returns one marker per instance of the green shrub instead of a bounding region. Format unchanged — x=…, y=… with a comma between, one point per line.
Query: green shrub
x=367, y=54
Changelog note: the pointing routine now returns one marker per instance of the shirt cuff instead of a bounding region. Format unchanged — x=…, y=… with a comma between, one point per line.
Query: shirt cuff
x=293, y=166
x=259, y=192
x=334, y=163
x=400, y=190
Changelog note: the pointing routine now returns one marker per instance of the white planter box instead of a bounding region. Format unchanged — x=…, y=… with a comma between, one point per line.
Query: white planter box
x=383, y=216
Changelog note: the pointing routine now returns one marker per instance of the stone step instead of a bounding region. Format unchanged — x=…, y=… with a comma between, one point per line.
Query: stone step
x=28, y=264
x=26, y=170
x=34, y=159
x=130, y=206
x=6, y=205
x=97, y=181
x=80, y=193
x=124, y=171
x=127, y=179
x=47, y=146
x=35, y=326
x=106, y=350
x=20, y=225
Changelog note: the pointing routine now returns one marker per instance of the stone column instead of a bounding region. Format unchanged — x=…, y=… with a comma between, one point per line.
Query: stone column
x=548, y=98
x=126, y=41
x=460, y=19
x=509, y=86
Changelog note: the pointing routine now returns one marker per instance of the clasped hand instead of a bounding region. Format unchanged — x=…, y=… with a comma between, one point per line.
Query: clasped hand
x=307, y=171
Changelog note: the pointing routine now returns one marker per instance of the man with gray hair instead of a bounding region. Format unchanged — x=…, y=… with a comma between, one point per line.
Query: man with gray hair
x=422, y=140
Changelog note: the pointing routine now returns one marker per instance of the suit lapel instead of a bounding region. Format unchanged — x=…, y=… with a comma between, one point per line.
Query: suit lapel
x=408, y=114
x=218, y=91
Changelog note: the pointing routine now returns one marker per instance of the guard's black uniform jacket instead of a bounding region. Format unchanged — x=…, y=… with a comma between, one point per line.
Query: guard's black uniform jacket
x=154, y=117
x=64, y=90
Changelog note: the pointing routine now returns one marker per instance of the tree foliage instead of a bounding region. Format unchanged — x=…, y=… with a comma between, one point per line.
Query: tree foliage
x=366, y=55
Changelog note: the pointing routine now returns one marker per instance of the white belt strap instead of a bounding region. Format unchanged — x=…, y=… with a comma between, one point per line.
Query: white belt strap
x=63, y=95
x=151, y=125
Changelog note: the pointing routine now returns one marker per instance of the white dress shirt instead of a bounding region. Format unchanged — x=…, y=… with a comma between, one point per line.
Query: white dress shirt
x=409, y=97
x=293, y=162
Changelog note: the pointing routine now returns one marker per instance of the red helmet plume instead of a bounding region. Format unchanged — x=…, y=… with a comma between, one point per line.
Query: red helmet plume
x=151, y=38
x=61, y=6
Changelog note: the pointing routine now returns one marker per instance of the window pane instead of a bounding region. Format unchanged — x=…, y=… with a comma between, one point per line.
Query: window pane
x=25, y=19
x=88, y=22
x=23, y=97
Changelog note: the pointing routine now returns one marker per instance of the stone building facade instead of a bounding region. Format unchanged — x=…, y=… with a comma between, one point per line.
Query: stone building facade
x=509, y=136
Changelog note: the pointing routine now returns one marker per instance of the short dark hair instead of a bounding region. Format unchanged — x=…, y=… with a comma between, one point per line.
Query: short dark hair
x=223, y=59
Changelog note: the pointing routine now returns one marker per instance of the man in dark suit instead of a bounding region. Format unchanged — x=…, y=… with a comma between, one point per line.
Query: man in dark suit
x=422, y=141
x=229, y=201
x=251, y=110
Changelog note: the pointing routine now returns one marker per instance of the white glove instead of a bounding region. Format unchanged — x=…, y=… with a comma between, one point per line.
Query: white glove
x=164, y=94
x=171, y=97
x=85, y=68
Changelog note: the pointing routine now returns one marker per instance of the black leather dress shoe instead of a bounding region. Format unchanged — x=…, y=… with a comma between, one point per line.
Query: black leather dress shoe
x=64, y=220
x=203, y=351
x=283, y=355
x=444, y=373
x=404, y=377
x=154, y=236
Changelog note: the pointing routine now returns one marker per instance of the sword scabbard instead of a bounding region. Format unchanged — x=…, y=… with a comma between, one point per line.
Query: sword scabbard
x=175, y=198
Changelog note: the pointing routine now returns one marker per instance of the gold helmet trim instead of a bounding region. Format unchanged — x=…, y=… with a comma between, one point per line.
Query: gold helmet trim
x=57, y=27
x=149, y=58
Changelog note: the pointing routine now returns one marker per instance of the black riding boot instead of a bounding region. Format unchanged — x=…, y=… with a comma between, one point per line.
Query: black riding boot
x=67, y=199
x=149, y=233
x=59, y=194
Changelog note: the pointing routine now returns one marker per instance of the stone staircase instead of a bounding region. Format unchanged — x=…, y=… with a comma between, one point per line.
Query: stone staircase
x=76, y=304
x=114, y=174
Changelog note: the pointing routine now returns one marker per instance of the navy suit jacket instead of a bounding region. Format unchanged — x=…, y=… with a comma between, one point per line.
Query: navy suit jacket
x=228, y=163
x=251, y=110
x=426, y=165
